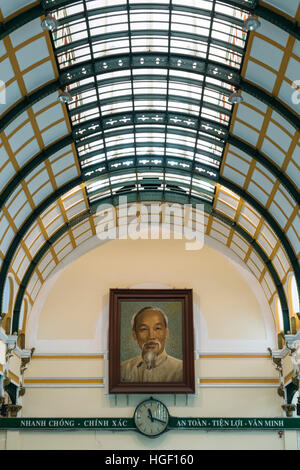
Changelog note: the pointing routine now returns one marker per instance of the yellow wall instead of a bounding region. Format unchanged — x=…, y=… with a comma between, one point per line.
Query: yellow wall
x=229, y=307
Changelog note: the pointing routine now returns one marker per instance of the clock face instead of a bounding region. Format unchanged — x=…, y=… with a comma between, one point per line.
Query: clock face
x=151, y=417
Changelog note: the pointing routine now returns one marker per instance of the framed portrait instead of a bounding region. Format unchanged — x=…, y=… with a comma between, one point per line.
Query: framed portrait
x=151, y=341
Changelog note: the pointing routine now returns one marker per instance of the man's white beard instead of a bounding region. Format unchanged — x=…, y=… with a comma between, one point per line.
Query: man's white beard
x=150, y=355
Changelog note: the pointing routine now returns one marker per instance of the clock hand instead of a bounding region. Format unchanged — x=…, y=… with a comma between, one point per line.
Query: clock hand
x=160, y=420
x=150, y=415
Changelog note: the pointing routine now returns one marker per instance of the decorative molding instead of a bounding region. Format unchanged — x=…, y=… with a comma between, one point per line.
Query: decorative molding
x=61, y=382
x=68, y=356
x=233, y=356
x=235, y=382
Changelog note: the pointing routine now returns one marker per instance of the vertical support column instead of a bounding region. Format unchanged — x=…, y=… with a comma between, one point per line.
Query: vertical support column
x=10, y=346
x=26, y=356
x=11, y=394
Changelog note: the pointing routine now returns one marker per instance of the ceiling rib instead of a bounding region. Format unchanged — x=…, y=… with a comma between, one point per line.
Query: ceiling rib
x=20, y=20
x=26, y=225
x=133, y=198
x=202, y=101
x=271, y=221
x=93, y=126
x=34, y=163
x=36, y=213
x=271, y=101
x=259, y=157
x=85, y=70
x=281, y=22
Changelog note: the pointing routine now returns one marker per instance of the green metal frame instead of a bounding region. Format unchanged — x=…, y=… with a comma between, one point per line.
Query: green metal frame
x=187, y=63
x=108, y=170
x=259, y=157
x=271, y=221
x=180, y=120
x=75, y=73
x=291, y=389
x=20, y=20
x=291, y=27
x=61, y=144
x=27, y=102
x=49, y=5
x=271, y=101
x=147, y=196
x=31, y=165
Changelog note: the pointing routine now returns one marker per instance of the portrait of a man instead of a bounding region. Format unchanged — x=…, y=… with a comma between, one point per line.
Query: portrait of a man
x=151, y=343
x=150, y=329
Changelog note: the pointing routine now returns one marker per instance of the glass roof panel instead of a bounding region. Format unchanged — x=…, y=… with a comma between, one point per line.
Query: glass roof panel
x=150, y=83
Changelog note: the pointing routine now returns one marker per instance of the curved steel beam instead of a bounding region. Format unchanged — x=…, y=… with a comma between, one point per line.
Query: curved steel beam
x=138, y=197
x=22, y=230
x=20, y=20
x=180, y=120
x=272, y=102
x=291, y=390
x=109, y=64
x=271, y=221
x=261, y=210
x=183, y=62
x=25, y=227
x=208, y=176
x=259, y=157
x=41, y=157
x=73, y=74
x=291, y=27
x=155, y=97
x=27, y=102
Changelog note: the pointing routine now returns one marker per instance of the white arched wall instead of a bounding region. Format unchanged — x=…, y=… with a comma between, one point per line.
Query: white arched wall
x=218, y=277
x=68, y=327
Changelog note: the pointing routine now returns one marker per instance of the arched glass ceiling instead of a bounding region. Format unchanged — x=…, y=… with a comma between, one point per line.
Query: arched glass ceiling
x=205, y=28
x=156, y=65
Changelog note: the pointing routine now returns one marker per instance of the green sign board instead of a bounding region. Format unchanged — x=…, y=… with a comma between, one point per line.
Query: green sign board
x=67, y=423
x=234, y=423
x=122, y=424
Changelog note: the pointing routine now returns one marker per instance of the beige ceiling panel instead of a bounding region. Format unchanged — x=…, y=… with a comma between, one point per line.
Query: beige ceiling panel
x=26, y=32
x=9, y=7
x=39, y=76
x=45, y=261
x=27, y=152
x=258, y=74
x=32, y=53
x=289, y=6
x=48, y=269
x=62, y=243
x=64, y=252
x=266, y=53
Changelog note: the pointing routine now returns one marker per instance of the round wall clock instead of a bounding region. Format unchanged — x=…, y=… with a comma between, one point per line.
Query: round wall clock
x=151, y=417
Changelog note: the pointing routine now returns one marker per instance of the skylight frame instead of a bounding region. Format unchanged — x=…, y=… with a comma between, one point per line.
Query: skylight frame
x=178, y=84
